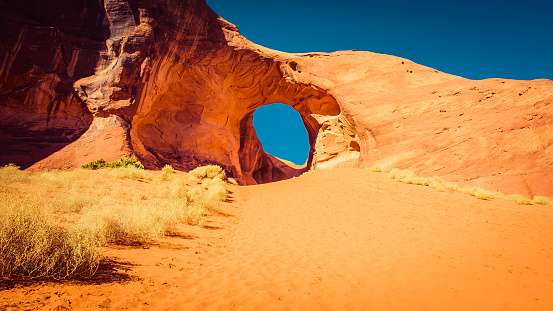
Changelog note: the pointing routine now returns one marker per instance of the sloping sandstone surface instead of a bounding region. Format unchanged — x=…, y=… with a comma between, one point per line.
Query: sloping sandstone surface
x=171, y=82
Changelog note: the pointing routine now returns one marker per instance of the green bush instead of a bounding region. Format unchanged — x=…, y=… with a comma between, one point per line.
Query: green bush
x=101, y=163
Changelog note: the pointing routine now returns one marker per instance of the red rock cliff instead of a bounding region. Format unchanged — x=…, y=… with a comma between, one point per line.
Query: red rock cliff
x=170, y=82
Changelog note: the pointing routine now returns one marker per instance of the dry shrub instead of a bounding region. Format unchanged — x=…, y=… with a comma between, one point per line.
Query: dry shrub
x=192, y=212
x=35, y=243
x=144, y=220
x=177, y=189
x=453, y=187
x=520, y=199
x=186, y=205
x=11, y=173
x=32, y=247
x=478, y=193
x=54, y=179
x=399, y=175
x=375, y=169
x=408, y=177
x=437, y=183
x=167, y=173
x=131, y=172
x=136, y=223
x=73, y=202
x=196, y=195
x=232, y=181
x=216, y=189
x=542, y=200
x=208, y=171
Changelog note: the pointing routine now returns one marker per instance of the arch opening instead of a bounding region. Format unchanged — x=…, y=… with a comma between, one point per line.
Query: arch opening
x=282, y=133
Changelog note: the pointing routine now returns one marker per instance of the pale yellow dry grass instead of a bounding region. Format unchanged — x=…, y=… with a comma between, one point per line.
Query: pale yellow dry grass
x=478, y=193
x=520, y=199
x=32, y=246
x=208, y=171
x=167, y=173
x=375, y=169
x=53, y=222
x=131, y=172
x=407, y=176
x=11, y=173
x=216, y=189
x=542, y=200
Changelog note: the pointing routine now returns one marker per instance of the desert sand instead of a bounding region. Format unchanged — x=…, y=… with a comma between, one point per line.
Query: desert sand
x=340, y=239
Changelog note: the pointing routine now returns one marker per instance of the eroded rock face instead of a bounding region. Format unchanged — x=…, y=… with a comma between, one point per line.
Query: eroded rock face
x=170, y=82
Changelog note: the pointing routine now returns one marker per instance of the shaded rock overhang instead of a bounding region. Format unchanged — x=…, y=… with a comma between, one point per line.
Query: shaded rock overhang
x=170, y=82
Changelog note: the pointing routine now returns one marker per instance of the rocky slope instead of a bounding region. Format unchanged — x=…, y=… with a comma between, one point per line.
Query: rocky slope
x=170, y=82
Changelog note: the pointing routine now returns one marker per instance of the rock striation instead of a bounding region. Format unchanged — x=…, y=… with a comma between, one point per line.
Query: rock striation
x=171, y=82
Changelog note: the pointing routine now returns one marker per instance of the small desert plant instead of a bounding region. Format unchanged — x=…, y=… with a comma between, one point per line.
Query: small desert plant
x=520, y=199
x=177, y=189
x=216, y=189
x=208, y=171
x=453, y=187
x=174, y=189
x=408, y=177
x=131, y=172
x=307, y=173
x=375, y=169
x=232, y=181
x=32, y=247
x=189, y=211
x=542, y=200
x=73, y=202
x=136, y=223
x=54, y=179
x=167, y=173
x=94, y=165
x=437, y=183
x=11, y=173
x=478, y=193
x=101, y=163
x=147, y=217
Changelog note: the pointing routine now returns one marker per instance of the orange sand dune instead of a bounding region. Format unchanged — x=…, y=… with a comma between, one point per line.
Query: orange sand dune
x=342, y=239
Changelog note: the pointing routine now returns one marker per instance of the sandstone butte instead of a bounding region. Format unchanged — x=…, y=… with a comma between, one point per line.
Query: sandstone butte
x=171, y=82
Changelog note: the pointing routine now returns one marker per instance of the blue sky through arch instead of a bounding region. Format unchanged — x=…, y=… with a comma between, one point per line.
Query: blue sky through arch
x=281, y=131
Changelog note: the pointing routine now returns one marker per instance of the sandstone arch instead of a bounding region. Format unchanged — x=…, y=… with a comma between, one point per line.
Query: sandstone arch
x=205, y=114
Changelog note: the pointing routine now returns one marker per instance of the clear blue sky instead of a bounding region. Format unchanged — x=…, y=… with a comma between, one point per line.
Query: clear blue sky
x=281, y=131
x=473, y=39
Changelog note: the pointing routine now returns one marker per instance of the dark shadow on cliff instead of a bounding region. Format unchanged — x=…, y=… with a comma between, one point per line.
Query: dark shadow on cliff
x=47, y=46
x=24, y=148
